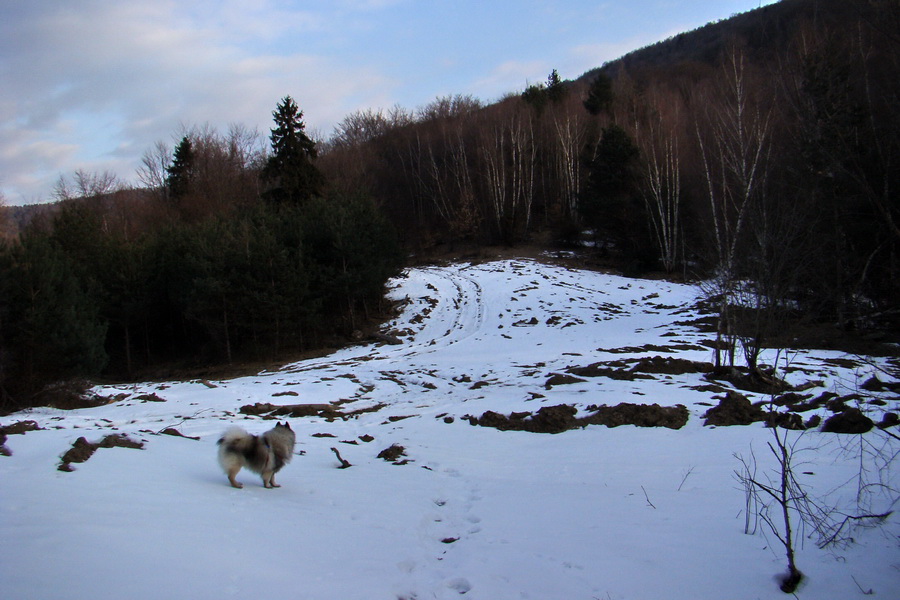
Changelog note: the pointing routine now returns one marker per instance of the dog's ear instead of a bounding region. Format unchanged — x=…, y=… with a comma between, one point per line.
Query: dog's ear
x=287, y=424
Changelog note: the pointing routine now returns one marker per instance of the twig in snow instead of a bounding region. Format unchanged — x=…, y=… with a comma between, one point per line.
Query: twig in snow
x=870, y=592
x=182, y=421
x=686, y=475
x=647, y=498
x=344, y=463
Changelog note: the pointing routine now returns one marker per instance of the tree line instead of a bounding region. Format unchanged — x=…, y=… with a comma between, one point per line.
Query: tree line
x=231, y=254
x=769, y=164
x=768, y=171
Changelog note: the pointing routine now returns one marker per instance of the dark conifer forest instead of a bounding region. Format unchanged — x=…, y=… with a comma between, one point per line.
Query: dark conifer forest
x=758, y=154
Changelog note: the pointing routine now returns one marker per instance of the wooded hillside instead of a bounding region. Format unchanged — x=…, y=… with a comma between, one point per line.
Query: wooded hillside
x=760, y=148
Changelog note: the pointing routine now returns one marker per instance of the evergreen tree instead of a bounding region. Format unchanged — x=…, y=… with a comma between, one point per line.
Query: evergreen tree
x=290, y=172
x=555, y=90
x=610, y=202
x=181, y=171
x=600, y=95
x=51, y=323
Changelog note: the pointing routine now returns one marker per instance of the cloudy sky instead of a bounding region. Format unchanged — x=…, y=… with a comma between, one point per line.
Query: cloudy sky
x=93, y=84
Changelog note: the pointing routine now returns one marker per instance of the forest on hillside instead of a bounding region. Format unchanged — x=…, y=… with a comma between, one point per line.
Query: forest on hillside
x=761, y=149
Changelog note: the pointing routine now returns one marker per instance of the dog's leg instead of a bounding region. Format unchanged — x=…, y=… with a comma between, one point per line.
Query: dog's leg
x=268, y=478
x=232, y=473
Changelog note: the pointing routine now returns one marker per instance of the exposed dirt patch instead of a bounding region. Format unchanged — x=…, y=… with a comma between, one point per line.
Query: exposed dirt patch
x=562, y=379
x=82, y=449
x=559, y=418
x=69, y=395
x=266, y=409
x=873, y=384
x=605, y=370
x=174, y=432
x=641, y=368
x=742, y=379
x=393, y=454
x=20, y=427
x=641, y=415
x=734, y=409
x=149, y=398
x=849, y=421
x=671, y=366
x=671, y=348
x=889, y=420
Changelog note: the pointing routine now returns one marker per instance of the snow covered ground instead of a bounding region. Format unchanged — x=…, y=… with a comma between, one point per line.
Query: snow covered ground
x=624, y=513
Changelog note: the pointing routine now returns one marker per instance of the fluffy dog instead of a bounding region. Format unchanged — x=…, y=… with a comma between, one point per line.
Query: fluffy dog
x=265, y=454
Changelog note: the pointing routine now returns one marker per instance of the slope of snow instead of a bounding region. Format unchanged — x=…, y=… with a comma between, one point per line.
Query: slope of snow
x=610, y=513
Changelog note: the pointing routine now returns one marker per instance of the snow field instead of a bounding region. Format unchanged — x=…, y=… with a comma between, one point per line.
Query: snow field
x=621, y=513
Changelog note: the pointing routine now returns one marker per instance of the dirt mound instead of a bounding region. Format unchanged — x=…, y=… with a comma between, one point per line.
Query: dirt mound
x=889, y=420
x=561, y=379
x=393, y=454
x=757, y=382
x=289, y=410
x=82, y=449
x=734, y=409
x=641, y=415
x=850, y=421
x=559, y=418
x=671, y=366
x=610, y=370
x=18, y=428
x=174, y=432
x=642, y=368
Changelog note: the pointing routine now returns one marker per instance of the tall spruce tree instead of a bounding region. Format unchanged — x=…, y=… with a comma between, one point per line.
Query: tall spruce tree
x=181, y=171
x=290, y=173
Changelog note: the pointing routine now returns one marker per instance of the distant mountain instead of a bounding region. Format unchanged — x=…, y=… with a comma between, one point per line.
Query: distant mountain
x=764, y=32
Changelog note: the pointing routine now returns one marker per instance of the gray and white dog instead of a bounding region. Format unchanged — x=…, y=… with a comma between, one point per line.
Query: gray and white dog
x=265, y=454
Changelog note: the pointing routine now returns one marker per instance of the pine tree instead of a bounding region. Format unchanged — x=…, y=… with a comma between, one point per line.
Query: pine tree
x=290, y=171
x=555, y=91
x=181, y=171
x=600, y=95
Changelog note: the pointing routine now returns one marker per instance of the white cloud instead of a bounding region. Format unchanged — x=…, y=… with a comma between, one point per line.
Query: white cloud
x=132, y=72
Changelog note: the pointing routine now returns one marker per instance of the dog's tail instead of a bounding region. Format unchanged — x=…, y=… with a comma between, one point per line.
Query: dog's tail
x=235, y=437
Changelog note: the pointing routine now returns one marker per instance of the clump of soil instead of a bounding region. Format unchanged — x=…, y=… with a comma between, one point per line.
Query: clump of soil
x=785, y=420
x=850, y=421
x=289, y=410
x=393, y=454
x=641, y=415
x=873, y=384
x=561, y=379
x=82, y=449
x=69, y=395
x=642, y=368
x=606, y=370
x=559, y=418
x=18, y=428
x=743, y=379
x=889, y=420
x=734, y=409
x=328, y=411
x=149, y=398
x=174, y=432
x=671, y=366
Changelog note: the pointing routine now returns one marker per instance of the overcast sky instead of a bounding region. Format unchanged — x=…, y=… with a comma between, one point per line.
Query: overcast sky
x=92, y=84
